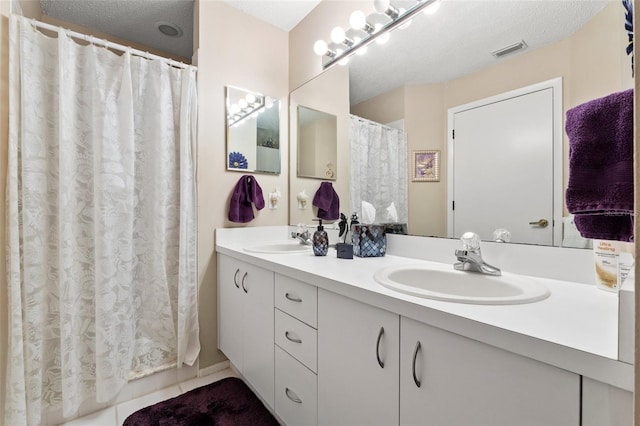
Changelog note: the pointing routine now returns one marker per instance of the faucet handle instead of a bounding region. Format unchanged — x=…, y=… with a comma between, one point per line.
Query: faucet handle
x=470, y=241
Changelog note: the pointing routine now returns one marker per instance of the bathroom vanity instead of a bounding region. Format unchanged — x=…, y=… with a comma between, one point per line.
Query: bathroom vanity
x=321, y=342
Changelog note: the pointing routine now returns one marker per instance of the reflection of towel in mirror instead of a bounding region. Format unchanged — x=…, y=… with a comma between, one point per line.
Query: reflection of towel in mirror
x=600, y=188
x=570, y=235
x=327, y=202
x=246, y=191
x=392, y=213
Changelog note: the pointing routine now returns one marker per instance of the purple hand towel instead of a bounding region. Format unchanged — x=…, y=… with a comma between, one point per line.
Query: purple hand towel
x=246, y=192
x=327, y=202
x=601, y=166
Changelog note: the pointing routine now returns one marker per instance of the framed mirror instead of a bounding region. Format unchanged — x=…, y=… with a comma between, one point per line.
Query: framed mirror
x=317, y=144
x=253, y=131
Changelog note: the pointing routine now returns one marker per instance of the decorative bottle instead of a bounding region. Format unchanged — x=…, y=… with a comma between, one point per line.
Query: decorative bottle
x=320, y=240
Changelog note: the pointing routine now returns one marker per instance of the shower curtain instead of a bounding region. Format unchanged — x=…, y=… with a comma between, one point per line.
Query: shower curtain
x=101, y=230
x=378, y=169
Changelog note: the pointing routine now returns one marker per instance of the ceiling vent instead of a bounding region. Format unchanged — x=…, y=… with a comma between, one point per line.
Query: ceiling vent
x=509, y=49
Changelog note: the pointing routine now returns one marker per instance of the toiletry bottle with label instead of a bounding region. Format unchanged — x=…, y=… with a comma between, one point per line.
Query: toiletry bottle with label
x=320, y=240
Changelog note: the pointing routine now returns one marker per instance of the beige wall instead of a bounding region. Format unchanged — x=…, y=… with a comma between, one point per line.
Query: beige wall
x=236, y=50
x=592, y=63
x=4, y=129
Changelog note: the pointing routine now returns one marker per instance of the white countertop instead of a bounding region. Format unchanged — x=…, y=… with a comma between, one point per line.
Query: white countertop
x=575, y=328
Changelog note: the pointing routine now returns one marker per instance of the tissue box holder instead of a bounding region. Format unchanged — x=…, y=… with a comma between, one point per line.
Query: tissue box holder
x=369, y=240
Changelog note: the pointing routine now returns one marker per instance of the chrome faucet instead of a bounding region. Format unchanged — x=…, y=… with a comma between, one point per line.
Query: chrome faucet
x=470, y=257
x=302, y=235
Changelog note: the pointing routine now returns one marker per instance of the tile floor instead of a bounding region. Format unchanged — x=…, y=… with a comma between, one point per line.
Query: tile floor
x=115, y=415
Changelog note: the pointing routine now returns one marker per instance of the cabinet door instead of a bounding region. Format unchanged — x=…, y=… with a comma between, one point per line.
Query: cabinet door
x=230, y=307
x=358, y=363
x=462, y=381
x=256, y=285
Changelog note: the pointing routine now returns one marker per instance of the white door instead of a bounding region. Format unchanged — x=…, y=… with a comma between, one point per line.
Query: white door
x=502, y=163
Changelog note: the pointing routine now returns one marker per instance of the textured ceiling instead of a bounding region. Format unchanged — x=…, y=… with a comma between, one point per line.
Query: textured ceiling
x=455, y=41
x=133, y=20
x=459, y=38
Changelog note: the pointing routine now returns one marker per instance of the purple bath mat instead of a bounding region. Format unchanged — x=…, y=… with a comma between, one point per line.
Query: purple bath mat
x=228, y=402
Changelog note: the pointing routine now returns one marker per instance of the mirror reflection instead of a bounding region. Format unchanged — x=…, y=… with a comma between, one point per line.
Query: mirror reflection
x=317, y=144
x=253, y=132
x=437, y=78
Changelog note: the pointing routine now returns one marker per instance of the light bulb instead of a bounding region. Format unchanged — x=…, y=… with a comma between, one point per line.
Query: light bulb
x=243, y=104
x=251, y=98
x=320, y=47
x=337, y=35
x=357, y=20
x=432, y=8
x=381, y=6
x=344, y=61
x=235, y=109
x=361, y=51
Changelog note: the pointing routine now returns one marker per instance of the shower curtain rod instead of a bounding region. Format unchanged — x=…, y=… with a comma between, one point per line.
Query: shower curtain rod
x=111, y=45
x=366, y=120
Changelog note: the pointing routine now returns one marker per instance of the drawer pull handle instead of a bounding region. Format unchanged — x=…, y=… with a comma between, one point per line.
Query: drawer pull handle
x=293, y=299
x=380, y=333
x=291, y=339
x=415, y=355
x=235, y=278
x=243, y=278
x=293, y=398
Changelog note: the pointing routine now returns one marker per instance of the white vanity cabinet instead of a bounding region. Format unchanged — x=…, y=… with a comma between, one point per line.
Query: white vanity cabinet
x=246, y=322
x=358, y=362
x=447, y=379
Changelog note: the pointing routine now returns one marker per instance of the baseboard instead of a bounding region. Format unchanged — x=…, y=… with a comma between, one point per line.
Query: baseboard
x=213, y=368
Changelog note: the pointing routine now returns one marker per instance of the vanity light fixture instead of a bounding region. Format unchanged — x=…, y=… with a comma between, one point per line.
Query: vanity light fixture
x=248, y=107
x=380, y=32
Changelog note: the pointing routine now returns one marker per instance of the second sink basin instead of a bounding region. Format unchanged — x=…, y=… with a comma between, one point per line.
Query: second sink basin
x=445, y=283
x=279, y=247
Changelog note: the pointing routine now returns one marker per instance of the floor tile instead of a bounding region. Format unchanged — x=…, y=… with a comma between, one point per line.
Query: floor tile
x=125, y=409
x=205, y=380
x=106, y=417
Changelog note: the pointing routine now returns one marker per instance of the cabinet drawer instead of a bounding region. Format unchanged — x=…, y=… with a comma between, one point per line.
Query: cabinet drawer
x=298, y=339
x=296, y=391
x=298, y=299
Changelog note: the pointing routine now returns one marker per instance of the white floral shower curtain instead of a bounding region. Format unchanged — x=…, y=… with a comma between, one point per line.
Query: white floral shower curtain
x=101, y=230
x=378, y=169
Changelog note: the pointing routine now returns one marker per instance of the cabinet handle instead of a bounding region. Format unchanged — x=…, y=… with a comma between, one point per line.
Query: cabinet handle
x=294, y=398
x=415, y=355
x=293, y=299
x=291, y=339
x=243, y=278
x=235, y=278
x=380, y=333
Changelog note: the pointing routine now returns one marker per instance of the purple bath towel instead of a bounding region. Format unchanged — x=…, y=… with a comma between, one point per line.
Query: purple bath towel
x=246, y=191
x=327, y=202
x=601, y=166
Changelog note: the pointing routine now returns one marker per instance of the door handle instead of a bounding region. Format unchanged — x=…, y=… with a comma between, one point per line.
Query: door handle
x=235, y=278
x=291, y=339
x=244, y=277
x=380, y=333
x=413, y=365
x=542, y=223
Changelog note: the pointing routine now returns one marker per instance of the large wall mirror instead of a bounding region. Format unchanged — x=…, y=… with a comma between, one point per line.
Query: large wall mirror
x=443, y=61
x=253, y=132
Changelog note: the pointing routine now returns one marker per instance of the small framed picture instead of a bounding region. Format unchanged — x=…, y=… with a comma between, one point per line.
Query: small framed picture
x=426, y=166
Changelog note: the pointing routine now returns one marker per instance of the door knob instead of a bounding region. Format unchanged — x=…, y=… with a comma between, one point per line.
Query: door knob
x=542, y=223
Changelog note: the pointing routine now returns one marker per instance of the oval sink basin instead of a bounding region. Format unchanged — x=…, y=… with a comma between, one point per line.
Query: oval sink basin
x=448, y=284
x=279, y=247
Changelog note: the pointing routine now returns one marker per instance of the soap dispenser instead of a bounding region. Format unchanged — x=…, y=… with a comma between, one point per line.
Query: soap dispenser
x=320, y=240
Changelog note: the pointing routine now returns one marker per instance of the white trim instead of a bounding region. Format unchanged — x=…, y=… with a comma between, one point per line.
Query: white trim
x=213, y=368
x=556, y=85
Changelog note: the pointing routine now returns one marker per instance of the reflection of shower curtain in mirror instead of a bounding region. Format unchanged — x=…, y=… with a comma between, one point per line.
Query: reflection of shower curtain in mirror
x=378, y=168
x=101, y=231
